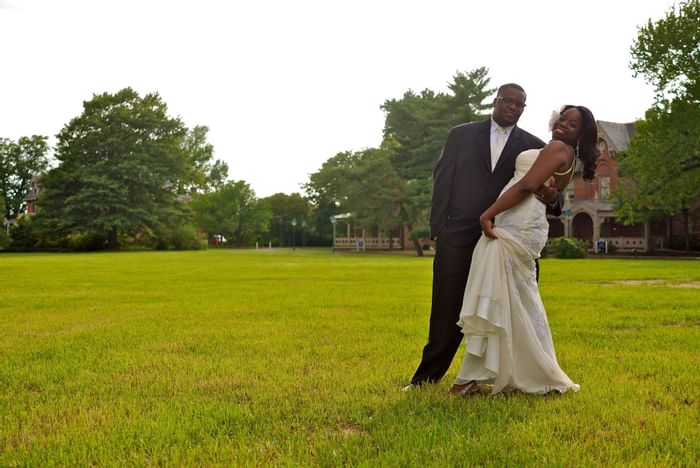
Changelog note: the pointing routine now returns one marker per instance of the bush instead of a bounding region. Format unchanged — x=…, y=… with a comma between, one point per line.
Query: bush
x=678, y=241
x=180, y=238
x=565, y=247
x=4, y=239
x=23, y=235
x=85, y=242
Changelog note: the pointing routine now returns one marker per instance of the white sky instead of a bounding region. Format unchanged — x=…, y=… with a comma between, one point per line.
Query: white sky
x=284, y=85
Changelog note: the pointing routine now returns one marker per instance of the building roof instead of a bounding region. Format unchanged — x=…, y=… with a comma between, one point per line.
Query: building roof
x=618, y=135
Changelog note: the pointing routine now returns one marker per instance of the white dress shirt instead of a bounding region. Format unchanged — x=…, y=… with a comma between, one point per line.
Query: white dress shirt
x=499, y=137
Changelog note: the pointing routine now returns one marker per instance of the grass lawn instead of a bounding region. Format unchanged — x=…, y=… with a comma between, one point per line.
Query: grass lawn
x=225, y=357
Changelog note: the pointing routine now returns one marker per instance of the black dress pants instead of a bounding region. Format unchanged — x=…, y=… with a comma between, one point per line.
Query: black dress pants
x=450, y=271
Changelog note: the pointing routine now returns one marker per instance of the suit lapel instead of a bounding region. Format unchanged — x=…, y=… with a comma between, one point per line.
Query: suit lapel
x=509, y=150
x=485, y=144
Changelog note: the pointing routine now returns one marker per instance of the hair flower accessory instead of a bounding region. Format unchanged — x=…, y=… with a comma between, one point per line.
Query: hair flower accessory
x=554, y=117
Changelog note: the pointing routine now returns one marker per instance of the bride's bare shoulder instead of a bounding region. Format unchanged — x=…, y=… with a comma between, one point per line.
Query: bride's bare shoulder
x=556, y=145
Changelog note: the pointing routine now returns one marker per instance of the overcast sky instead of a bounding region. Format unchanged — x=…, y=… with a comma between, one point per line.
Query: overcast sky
x=284, y=85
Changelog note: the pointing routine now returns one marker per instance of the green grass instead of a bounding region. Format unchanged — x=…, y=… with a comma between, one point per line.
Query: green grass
x=227, y=357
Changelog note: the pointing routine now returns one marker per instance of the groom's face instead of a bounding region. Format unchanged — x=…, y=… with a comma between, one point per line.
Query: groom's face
x=508, y=106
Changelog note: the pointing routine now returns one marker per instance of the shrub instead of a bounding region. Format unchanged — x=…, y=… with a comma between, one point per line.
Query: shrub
x=85, y=242
x=180, y=238
x=565, y=247
x=23, y=235
x=678, y=241
x=4, y=239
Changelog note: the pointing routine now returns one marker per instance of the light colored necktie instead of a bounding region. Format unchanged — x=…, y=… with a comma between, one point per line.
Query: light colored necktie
x=498, y=146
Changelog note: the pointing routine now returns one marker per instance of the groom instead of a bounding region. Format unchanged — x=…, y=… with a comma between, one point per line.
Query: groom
x=477, y=161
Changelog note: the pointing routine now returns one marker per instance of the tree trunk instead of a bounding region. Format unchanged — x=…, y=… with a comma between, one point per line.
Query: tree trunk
x=419, y=248
x=686, y=230
x=112, y=241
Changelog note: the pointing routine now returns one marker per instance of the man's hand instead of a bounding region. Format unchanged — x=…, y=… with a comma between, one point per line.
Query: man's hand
x=547, y=193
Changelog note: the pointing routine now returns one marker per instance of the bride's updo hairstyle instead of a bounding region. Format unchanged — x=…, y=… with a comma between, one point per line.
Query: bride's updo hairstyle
x=586, y=148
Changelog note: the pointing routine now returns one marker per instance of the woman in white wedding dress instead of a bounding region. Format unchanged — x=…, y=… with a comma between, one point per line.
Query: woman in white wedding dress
x=509, y=343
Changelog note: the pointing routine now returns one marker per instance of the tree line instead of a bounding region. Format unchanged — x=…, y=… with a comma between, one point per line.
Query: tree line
x=128, y=173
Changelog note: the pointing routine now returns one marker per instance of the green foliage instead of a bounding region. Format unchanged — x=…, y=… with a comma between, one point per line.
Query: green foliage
x=182, y=237
x=661, y=167
x=123, y=163
x=679, y=242
x=19, y=162
x=391, y=185
x=667, y=52
x=23, y=235
x=283, y=209
x=566, y=247
x=204, y=174
x=245, y=358
x=375, y=191
x=232, y=211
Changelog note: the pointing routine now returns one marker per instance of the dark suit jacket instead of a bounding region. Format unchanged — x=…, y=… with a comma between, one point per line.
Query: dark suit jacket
x=463, y=184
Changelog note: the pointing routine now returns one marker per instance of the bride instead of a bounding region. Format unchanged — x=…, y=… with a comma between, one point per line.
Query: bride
x=509, y=343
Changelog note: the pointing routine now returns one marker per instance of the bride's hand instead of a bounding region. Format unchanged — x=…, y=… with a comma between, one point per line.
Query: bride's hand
x=547, y=193
x=487, y=227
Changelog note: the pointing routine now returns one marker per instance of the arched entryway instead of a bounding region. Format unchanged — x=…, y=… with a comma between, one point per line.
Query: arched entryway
x=582, y=227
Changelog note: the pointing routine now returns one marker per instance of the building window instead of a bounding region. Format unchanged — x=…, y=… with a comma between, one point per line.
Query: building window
x=604, y=187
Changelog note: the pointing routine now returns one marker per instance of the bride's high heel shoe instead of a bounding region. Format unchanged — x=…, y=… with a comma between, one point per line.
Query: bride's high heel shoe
x=466, y=389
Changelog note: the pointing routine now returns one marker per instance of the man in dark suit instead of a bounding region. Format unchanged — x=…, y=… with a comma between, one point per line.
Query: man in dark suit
x=477, y=161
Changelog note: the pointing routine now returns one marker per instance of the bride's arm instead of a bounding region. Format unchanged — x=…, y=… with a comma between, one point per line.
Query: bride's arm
x=553, y=157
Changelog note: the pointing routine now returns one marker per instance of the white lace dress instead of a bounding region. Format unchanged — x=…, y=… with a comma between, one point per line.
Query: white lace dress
x=509, y=343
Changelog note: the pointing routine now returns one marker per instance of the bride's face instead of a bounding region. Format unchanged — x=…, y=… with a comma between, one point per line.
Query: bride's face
x=568, y=127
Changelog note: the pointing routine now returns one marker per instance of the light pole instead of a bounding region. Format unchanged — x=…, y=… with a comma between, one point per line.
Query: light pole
x=294, y=234
x=333, y=221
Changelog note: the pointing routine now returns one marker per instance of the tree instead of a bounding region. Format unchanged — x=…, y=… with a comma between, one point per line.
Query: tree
x=19, y=162
x=661, y=167
x=667, y=52
x=391, y=184
x=204, y=174
x=375, y=191
x=414, y=130
x=327, y=191
x=123, y=162
x=232, y=211
x=284, y=209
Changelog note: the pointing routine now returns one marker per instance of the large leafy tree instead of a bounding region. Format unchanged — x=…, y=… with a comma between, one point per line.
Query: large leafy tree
x=286, y=209
x=392, y=183
x=414, y=130
x=374, y=191
x=327, y=191
x=661, y=167
x=667, y=52
x=204, y=173
x=19, y=161
x=123, y=162
x=233, y=211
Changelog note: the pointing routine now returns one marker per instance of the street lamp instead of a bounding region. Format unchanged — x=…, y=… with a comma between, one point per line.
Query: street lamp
x=294, y=234
x=333, y=221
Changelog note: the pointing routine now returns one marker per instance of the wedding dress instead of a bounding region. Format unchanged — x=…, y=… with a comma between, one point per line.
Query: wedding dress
x=509, y=343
